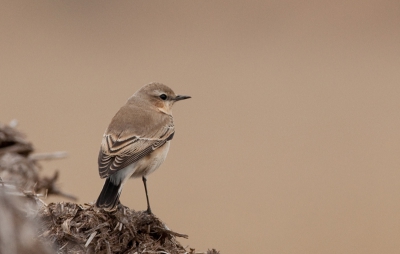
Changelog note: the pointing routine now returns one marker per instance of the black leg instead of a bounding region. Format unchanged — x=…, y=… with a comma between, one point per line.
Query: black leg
x=147, y=196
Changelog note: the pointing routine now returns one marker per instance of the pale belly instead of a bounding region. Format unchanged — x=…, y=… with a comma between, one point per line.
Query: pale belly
x=142, y=167
x=151, y=162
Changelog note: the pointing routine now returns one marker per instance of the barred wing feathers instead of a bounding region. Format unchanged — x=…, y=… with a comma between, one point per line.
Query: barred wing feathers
x=117, y=152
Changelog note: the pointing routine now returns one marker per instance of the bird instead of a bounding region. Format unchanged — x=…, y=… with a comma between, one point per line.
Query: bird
x=136, y=141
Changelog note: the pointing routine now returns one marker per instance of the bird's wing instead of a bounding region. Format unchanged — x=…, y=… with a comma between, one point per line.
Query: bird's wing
x=119, y=151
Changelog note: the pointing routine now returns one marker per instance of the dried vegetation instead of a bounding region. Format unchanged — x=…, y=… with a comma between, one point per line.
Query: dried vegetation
x=87, y=229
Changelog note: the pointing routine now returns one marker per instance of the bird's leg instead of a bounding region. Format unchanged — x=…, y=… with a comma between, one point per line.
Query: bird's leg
x=147, y=196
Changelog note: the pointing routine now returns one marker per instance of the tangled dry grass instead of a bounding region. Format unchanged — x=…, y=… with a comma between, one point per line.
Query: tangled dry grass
x=21, y=168
x=29, y=225
x=86, y=229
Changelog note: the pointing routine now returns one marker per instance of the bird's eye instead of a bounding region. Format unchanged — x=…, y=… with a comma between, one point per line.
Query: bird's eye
x=163, y=97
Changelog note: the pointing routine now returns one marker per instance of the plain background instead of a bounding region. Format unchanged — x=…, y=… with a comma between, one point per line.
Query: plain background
x=290, y=143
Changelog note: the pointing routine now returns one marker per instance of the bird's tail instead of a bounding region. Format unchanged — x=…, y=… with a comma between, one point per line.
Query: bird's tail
x=109, y=195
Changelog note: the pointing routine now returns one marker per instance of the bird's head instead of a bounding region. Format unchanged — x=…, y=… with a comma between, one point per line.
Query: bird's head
x=160, y=96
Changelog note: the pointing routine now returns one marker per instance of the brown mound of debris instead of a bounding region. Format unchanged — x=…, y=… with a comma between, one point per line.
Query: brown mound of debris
x=86, y=229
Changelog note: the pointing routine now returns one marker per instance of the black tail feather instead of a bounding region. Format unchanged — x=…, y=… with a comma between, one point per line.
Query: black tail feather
x=109, y=195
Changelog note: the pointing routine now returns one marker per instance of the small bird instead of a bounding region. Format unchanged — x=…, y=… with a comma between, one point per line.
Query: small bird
x=136, y=141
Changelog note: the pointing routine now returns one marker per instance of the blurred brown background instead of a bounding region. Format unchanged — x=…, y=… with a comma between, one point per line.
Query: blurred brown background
x=290, y=143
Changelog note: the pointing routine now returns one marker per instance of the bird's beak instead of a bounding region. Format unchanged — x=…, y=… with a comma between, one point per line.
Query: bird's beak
x=181, y=97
